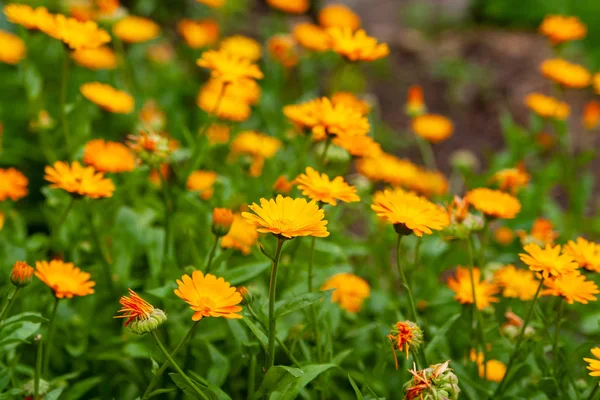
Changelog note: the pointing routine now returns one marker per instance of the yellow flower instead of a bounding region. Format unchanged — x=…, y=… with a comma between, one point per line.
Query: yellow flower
x=198, y=34
x=228, y=68
x=548, y=260
x=108, y=156
x=572, y=287
x=338, y=15
x=350, y=100
x=98, y=58
x=247, y=91
x=546, y=106
x=350, y=291
x=493, y=370
x=463, y=289
x=517, y=283
x=224, y=105
x=304, y=115
x=388, y=168
x=255, y=144
x=591, y=115
x=318, y=187
x=288, y=218
x=132, y=29
x=282, y=185
x=217, y=134
x=565, y=73
x=30, y=18
x=108, y=97
x=415, y=103
x=494, y=203
x=356, y=46
x=311, y=37
x=213, y=3
x=408, y=212
x=77, y=35
x=290, y=6
x=209, y=296
x=242, y=236
x=283, y=49
x=594, y=363
x=429, y=183
x=79, y=180
x=585, y=253
x=561, y=28
x=21, y=274
x=202, y=182
x=504, y=235
x=512, y=179
x=433, y=127
x=12, y=48
x=64, y=278
x=338, y=120
x=358, y=145
x=13, y=184
x=241, y=47
x=542, y=233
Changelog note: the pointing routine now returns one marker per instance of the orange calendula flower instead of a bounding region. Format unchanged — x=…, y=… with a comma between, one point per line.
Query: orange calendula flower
x=98, y=58
x=542, y=233
x=132, y=29
x=573, y=287
x=288, y=218
x=594, y=363
x=202, y=182
x=461, y=285
x=283, y=49
x=493, y=370
x=198, y=34
x=549, y=260
x=209, y=296
x=75, y=34
x=565, y=73
x=585, y=253
x=290, y=6
x=433, y=127
x=562, y=28
x=282, y=185
x=30, y=18
x=320, y=188
x=388, y=168
x=408, y=212
x=512, y=179
x=218, y=134
x=255, y=144
x=79, y=180
x=242, y=236
x=350, y=100
x=429, y=183
x=504, y=235
x=108, y=97
x=141, y=316
x=403, y=335
x=64, y=278
x=350, y=291
x=21, y=274
x=13, y=184
x=242, y=47
x=312, y=37
x=247, y=92
x=516, y=283
x=494, y=203
x=227, y=68
x=547, y=107
x=358, y=145
x=108, y=156
x=222, y=218
x=591, y=115
x=415, y=102
x=356, y=46
x=213, y=3
x=223, y=105
x=12, y=48
x=338, y=15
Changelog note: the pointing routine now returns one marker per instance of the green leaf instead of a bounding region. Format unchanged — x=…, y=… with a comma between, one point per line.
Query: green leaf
x=26, y=316
x=182, y=384
x=54, y=394
x=260, y=335
x=18, y=333
x=287, y=306
x=219, y=366
x=221, y=395
x=285, y=383
x=155, y=366
x=32, y=80
x=359, y=395
x=246, y=272
x=79, y=389
x=440, y=335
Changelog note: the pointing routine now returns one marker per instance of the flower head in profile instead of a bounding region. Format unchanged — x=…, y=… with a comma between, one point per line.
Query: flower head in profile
x=516, y=283
x=562, y=28
x=350, y=291
x=591, y=115
x=512, y=179
x=108, y=156
x=97, y=58
x=287, y=218
x=409, y=212
x=320, y=188
x=242, y=47
x=108, y=97
x=217, y=134
x=388, y=168
x=75, y=34
x=242, y=236
x=432, y=127
x=255, y=144
x=13, y=184
x=350, y=100
x=436, y=382
x=461, y=285
x=209, y=296
x=403, y=335
x=548, y=260
x=359, y=145
x=338, y=15
x=415, y=102
x=202, y=182
x=79, y=180
x=141, y=316
x=585, y=253
x=226, y=105
x=282, y=185
x=228, y=68
x=566, y=73
x=12, y=48
x=429, y=183
x=504, y=235
x=547, y=106
x=594, y=363
x=356, y=46
x=198, y=34
x=462, y=222
x=542, y=233
x=573, y=287
x=21, y=274
x=337, y=120
x=311, y=37
x=290, y=6
x=283, y=49
x=64, y=278
x=26, y=16
x=222, y=218
x=494, y=203
x=493, y=370
x=132, y=29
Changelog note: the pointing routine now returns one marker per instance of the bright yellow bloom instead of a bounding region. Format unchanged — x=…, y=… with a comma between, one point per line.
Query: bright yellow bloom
x=573, y=287
x=98, y=58
x=12, y=48
x=433, y=127
x=591, y=114
x=247, y=91
x=547, y=107
x=548, y=260
x=358, y=145
x=288, y=218
x=132, y=29
x=255, y=144
x=228, y=68
x=213, y=3
x=198, y=34
x=512, y=179
x=461, y=285
x=356, y=46
x=282, y=48
x=415, y=102
x=209, y=296
x=108, y=97
x=561, y=28
x=408, y=212
x=585, y=253
x=319, y=187
x=108, y=156
x=30, y=18
x=350, y=291
x=494, y=203
x=79, y=180
x=282, y=185
x=493, y=370
x=350, y=100
x=290, y=6
x=312, y=37
x=223, y=104
x=77, y=35
x=594, y=363
x=217, y=134
x=304, y=115
x=64, y=278
x=388, y=168
x=242, y=236
x=429, y=183
x=517, y=283
x=21, y=274
x=242, y=47
x=13, y=184
x=338, y=15
x=565, y=73
x=202, y=182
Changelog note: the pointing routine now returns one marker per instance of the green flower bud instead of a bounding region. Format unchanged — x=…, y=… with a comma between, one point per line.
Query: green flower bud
x=154, y=320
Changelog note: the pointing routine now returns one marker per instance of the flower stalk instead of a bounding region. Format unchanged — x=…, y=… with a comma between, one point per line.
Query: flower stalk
x=38, y=367
x=272, y=294
x=50, y=336
x=10, y=300
x=405, y=283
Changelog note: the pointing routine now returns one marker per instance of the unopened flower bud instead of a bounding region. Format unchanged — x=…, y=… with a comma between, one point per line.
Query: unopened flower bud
x=141, y=316
x=245, y=293
x=282, y=185
x=21, y=274
x=222, y=220
x=433, y=383
x=415, y=105
x=142, y=326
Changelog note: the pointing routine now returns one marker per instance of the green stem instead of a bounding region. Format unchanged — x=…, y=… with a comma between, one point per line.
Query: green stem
x=555, y=349
x=593, y=392
x=106, y=262
x=426, y=153
x=485, y=239
x=38, y=368
x=251, y=376
x=164, y=366
x=176, y=366
x=63, y=101
x=325, y=150
x=311, y=256
x=168, y=208
x=51, y=329
x=313, y=310
x=211, y=255
x=272, y=293
x=399, y=262
x=279, y=342
x=476, y=311
x=10, y=299
x=61, y=221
